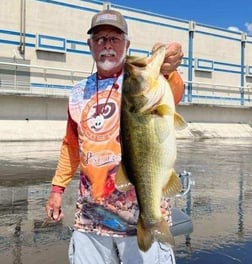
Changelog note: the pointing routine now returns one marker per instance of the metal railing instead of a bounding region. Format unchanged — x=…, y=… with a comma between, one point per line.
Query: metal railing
x=52, y=81
x=219, y=94
x=37, y=80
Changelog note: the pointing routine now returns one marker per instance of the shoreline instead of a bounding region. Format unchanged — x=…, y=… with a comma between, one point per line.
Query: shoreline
x=48, y=130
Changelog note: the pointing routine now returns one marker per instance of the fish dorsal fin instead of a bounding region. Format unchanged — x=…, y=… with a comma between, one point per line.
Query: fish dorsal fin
x=173, y=186
x=179, y=122
x=121, y=179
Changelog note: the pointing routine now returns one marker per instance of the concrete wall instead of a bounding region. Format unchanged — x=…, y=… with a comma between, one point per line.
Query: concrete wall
x=44, y=118
x=215, y=113
x=19, y=107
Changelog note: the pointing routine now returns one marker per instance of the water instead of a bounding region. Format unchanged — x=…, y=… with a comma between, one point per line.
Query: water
x=220, y=203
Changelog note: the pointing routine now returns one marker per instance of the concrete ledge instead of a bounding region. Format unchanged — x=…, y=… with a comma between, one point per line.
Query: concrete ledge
x=43, y=130
x=32, y=130
x=215, y=130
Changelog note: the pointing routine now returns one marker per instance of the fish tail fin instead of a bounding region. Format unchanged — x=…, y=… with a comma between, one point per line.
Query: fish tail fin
x=173, y=186
x=159, y=232
x=144, y=236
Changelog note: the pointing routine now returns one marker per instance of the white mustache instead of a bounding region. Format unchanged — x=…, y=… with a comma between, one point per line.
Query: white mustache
x=107, y=53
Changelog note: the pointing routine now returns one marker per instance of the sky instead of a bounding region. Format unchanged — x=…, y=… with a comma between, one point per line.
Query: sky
x=228, y=14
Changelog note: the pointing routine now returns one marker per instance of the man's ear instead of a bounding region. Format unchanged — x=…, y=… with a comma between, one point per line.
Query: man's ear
x=128, y=44
x=89, y=44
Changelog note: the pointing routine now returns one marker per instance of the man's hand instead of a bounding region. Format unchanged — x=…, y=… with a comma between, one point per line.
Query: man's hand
x=173, y=57
x=53, y=206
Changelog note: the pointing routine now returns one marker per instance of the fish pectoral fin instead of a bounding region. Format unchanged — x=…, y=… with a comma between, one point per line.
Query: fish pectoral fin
x=122, y=182
x=163, y=109
x=179, y=122
x=173, y=186
x=160, y=232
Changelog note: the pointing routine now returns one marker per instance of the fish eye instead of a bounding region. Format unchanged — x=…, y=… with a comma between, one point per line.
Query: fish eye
x=126, y=75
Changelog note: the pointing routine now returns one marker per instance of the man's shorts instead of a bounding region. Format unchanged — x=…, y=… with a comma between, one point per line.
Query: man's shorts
x=90, y=248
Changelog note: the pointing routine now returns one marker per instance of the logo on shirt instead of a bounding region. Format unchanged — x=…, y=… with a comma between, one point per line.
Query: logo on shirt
x=108, y=109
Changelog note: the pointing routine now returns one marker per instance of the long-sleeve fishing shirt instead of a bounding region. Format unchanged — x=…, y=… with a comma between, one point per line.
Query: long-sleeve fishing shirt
x=92, y=146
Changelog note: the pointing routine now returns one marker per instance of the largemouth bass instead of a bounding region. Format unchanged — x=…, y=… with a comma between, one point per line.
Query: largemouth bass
x=148, y=121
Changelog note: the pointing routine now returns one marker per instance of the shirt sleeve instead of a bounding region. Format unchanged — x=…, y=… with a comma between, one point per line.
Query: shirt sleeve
x=177, y=86
x=69, y=159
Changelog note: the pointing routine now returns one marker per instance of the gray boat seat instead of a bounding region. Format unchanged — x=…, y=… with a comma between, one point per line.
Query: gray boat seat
x=182, y=223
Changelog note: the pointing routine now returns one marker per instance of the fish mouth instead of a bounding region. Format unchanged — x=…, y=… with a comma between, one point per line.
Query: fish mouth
x=135, y=64
x=133, y=69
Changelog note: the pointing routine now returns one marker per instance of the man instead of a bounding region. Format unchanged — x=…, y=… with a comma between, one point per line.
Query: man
x=104, y=215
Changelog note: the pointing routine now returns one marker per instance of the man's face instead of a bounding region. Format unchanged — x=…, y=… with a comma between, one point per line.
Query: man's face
x=109, y=47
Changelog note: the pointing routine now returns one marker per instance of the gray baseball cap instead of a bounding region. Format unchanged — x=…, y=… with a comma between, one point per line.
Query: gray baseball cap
x=110, y=18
